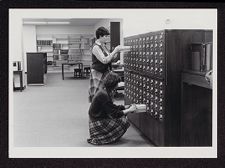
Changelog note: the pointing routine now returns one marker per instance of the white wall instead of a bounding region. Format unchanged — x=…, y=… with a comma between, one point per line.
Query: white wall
x=15, y=37
x=29, y=42
x=144, y=21
x=135, y=21
x=64, y=29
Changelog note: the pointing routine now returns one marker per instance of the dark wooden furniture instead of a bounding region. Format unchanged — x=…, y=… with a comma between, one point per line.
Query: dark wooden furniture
x=80, y=66
x=119, y=69
x=114, y=35
x=153, y=77
x=18, y=75
x=120, y=72
x=36, y=67
x=87, y=71
x=196, y=115
x=78, y=73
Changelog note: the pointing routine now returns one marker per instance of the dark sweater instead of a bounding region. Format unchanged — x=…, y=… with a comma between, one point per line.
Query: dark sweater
x=98, y=65
x=102, y=107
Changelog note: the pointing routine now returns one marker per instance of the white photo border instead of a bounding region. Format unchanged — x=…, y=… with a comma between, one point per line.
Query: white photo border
x=210, y=22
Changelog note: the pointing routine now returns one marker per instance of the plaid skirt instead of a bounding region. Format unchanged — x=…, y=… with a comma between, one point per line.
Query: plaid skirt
x=96, y=82
x=107, y=130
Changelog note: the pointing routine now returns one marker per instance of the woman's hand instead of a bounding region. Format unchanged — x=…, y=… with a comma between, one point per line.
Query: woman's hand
x=127, y=106
x=115, y=56
x=118, y=48
x=130, y=109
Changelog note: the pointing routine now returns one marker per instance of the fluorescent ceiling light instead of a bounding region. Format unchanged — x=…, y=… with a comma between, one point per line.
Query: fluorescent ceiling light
x=34, y=22
x=41, y=23
x=58, y=22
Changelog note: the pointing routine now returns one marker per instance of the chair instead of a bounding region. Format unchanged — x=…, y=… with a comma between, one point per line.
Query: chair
x=87, y=71
x=78, y=72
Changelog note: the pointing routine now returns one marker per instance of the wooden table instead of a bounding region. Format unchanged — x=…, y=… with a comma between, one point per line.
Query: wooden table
x=71, y=64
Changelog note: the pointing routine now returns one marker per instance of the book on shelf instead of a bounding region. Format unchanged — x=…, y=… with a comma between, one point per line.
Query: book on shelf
x=55, y=57
x=49, y=54
x=63, y=57
x=62, y=51
x=84, y=40
x=74, y=40
x=56, y=46
x=74, y=46
x=87, y=52
x=44, y=42
x=56, y=52
x=208, y=54
x=201, y=58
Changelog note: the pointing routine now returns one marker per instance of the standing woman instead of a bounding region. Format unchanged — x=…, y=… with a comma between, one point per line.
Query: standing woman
x=101, y=61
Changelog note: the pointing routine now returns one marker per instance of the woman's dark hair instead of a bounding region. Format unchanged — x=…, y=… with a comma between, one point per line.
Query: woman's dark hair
x=100, y=32
x=110, y=81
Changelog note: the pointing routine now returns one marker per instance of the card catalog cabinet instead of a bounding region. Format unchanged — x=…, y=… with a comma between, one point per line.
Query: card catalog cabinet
x=153, y=76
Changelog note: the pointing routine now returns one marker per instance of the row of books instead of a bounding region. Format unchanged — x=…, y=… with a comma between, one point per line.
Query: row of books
x=44, y=42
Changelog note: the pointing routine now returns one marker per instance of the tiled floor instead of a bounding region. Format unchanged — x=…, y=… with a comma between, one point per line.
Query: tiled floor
x=55, y=115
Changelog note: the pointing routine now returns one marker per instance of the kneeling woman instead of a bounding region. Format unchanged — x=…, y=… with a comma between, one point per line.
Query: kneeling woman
x=107, y=121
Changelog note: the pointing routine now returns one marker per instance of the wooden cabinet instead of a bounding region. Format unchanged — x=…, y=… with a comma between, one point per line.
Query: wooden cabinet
x=153, y=77
x=36, y=67
x=196, y=115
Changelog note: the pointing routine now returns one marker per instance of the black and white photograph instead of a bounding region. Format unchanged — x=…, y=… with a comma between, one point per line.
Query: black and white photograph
x=112, y=83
